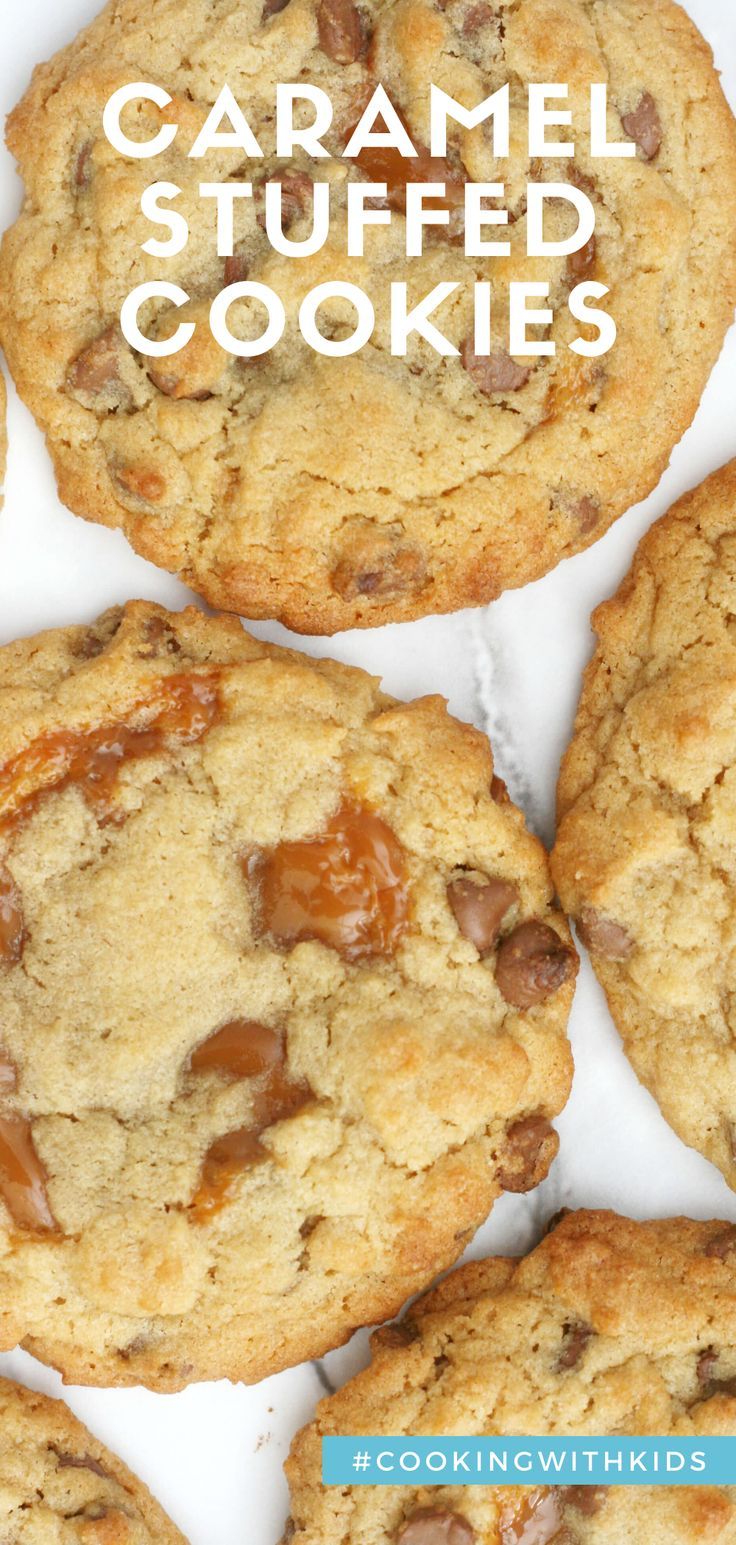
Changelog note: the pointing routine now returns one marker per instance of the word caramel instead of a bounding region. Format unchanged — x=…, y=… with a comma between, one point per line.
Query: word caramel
x=425, y=186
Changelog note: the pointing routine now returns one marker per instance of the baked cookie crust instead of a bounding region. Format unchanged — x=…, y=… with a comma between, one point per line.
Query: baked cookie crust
x=647, y=815
x=57, y=1483
x=608, y=1326
x=283, y=999
x=335, y=493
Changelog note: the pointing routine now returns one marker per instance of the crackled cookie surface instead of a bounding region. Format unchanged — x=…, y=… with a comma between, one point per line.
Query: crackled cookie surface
x=644, y=858
x=339, y=492
x=283, y=999
x=609, y=1326
x=59, y=1486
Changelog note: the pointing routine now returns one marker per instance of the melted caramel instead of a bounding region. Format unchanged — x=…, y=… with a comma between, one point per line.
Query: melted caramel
x=244, y=1049
x=383, y=163
x=182, y=709
x=23, y=1178
x=12, y=933
x=347, y=887
x=536, y=1521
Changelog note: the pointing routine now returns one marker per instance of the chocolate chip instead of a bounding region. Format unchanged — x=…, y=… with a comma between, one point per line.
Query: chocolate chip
x=86, y=1462
x=272, y=8
x=721, y=1245
x=499, y=791
x=159, y=639
x=236, y=269
x=706, y=1365
x=587, y=513
x=140, y=482
x=587, y=1500
x=582, y=262
x=404, y=1334
x=296, y=191
x=96, y=371
x=343, y=35
x=530, y=1145
x=602, y=936
x=480, y=904
x=479, y=16
x=436, y=1526
x=644, y=126
x=576, y=1335
x=82, y=173
x=496, y=372
x=377, y=563
x=532, y=964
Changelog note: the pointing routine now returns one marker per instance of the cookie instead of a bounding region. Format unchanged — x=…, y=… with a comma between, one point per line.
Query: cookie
x=644, y=858
x=344, y=492
x=282, y=1004
x=3, y=435
x=608, y=1327
x=58, y=1483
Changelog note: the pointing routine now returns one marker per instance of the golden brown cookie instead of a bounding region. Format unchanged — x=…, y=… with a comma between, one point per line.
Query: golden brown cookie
x=644, y=859
x=283, y=997
x=3, y=435
x=608, y=1327
x=334, y=493
x=59, y=1486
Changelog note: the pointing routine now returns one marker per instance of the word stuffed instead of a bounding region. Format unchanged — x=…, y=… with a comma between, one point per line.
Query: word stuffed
x=401, y=178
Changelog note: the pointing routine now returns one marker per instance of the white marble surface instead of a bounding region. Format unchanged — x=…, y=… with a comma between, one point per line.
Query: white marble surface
x=213, y=1454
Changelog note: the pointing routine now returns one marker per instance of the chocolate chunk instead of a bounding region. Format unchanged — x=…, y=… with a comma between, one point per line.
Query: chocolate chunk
x=436, y=1526
x=576, y=1335
x=404, y=1334
x=722, y=1244
x=377, y=563
x=706, y=1365
x=480, y=904
x=587, y=513
x=496, y=372
x=140, y=482
x=581, y=263
x=82, y=172
x=96, y=371
x=644, y=126
x=85, y=1462
x=343, y=35
x=477, y=17
x=296, y=191
x=236, y=269
x=531, y=1144
x=532, y=964
x=602, y=936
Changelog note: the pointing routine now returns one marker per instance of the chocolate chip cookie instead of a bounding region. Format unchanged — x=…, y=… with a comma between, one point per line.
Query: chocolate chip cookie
x=609, y=1326
x=644, y=859
x=58, y=1483
x=3, y=435
x=283, y=998
x=353, y=491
